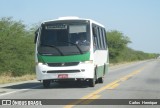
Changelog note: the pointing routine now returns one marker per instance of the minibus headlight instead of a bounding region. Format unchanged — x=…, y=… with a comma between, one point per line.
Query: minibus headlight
x=87, y=62
x=41, y=63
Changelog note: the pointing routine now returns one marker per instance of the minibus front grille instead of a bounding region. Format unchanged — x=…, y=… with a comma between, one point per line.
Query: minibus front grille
x=63, y=71
x=63, y=64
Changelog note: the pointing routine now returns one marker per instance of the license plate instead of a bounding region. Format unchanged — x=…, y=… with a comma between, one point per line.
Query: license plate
x=62, y=76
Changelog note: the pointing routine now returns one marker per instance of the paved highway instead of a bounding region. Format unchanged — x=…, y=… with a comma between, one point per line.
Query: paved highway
x=139, y=80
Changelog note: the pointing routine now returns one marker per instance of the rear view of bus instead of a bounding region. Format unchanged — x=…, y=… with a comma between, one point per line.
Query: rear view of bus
x=71, y=49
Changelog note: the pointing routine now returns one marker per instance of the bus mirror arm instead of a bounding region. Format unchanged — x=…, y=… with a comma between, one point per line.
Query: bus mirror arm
x=36, y=35
x=35, y=38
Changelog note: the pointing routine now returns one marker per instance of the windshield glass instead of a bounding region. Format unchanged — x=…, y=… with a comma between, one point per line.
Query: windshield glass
x=64, y=38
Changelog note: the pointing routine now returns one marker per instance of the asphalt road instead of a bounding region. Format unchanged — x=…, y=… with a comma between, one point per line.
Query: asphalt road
x=139, y=80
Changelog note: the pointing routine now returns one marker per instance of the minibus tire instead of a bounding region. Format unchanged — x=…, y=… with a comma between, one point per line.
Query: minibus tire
x=92, y=82
x=100, y=80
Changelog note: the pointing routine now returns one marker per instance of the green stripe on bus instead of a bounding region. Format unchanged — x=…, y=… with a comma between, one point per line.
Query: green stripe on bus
x=57, y=59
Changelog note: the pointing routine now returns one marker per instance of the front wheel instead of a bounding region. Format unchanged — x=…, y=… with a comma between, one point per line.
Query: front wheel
x=92, y=82
x=46, y=83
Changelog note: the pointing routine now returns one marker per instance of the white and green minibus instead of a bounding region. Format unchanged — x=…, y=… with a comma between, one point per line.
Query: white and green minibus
x=71, y=49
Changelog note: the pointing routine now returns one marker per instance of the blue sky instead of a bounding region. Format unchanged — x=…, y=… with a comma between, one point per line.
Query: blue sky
x=137, y=19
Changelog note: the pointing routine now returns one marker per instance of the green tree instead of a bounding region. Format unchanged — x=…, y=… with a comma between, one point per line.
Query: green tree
x=119, y=52
x=16, y=48
x=117, y=42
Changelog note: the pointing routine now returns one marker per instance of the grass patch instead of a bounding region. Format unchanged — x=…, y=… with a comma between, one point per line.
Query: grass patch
x=10, y=79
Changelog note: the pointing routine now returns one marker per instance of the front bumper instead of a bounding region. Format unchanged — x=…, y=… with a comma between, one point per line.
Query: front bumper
x=80, y=71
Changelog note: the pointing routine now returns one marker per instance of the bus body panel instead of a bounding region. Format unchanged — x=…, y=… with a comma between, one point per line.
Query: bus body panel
x=100, y=61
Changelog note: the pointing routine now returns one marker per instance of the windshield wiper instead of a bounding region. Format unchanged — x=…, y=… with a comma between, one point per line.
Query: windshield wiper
x=53, y=46
x=81, y=52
